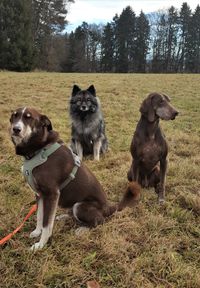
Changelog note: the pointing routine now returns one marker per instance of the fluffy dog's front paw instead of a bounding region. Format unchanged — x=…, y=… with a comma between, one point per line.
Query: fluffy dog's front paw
x=161, y=201
x=35, y=233
x=37, y=246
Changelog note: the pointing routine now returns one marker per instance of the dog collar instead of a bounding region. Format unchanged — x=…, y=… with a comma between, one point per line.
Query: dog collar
x=42, y=157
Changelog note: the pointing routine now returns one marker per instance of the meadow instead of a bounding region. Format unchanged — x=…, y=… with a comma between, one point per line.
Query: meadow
x=143, y=247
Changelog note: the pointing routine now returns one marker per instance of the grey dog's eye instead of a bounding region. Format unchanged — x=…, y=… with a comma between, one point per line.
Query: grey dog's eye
x=88, y=100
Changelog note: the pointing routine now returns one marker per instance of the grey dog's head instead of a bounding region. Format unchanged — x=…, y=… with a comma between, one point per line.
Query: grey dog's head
x=83, y=101
x=158, y=106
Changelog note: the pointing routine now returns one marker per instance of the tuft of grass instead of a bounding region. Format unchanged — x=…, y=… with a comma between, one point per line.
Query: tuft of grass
x=148, y=246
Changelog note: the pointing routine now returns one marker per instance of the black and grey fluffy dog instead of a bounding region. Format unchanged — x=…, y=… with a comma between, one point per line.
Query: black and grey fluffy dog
x=88, y=126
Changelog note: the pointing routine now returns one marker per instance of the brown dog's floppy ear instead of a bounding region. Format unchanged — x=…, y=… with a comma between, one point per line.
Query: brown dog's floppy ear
x=92, y=90
x=75, y=90
x=147, y=109
x=46, y=122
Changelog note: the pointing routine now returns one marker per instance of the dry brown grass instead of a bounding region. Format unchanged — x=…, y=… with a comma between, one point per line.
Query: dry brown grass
x=148, y=246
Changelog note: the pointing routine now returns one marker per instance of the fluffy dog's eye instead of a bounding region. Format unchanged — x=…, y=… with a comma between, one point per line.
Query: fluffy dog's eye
x=15, y=114
x=88, y=100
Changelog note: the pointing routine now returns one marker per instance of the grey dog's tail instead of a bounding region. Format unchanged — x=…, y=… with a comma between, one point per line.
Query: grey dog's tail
x=130, y=199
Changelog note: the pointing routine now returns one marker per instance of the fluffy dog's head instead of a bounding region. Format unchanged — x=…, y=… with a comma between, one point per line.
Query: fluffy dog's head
x=83, y=101
x=29, y=128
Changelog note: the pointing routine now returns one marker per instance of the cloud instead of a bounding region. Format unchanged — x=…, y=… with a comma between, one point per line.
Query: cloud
x=103, y=11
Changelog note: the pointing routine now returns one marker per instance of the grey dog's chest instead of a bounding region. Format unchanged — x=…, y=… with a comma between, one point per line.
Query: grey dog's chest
x=149, y=154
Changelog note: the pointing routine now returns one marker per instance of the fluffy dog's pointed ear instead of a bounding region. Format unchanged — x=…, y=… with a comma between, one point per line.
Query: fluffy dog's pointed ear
x=92, y=90
x=46, y=122
x=147, y=109
x=75, y=90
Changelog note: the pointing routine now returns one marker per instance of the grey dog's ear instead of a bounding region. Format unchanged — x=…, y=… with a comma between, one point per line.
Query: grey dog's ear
x=92, y=90
x=166, y=97
x=46, y=122
x=75, y=90
x=147, y=109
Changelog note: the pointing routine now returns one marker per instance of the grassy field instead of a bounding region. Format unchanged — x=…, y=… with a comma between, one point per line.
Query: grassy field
x=148, y=246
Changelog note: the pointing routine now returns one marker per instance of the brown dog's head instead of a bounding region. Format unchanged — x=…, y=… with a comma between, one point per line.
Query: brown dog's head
x=29, y=127
x=158, y=106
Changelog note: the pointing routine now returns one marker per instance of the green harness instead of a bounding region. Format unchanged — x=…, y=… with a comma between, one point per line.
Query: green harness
x=42, y=157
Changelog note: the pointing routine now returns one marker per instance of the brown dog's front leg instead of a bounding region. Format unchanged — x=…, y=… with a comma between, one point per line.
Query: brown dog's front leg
x=50, y=204
x=161, y=186
x=38, y=229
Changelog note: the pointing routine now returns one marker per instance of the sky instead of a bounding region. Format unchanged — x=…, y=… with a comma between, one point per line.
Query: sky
x=102, y=11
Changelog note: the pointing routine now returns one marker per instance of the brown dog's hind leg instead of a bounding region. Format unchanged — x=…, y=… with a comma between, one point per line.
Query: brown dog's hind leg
x=88, y=214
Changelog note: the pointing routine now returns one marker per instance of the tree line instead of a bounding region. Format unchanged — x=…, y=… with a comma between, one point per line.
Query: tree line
x=32, y=36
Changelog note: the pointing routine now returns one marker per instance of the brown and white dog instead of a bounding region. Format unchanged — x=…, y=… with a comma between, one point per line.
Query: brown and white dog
x=30, y=131
x=149, y=147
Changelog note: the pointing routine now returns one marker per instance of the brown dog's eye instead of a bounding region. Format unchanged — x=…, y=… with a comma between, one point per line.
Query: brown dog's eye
x=28, y=115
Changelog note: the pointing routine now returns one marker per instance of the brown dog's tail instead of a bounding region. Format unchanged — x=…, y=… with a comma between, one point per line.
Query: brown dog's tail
x=130, y=199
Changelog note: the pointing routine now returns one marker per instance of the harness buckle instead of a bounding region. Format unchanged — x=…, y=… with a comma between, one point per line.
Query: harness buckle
x=77, y=160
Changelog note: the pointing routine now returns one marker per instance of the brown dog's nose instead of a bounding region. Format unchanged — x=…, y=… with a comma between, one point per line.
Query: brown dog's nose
x=16, y=130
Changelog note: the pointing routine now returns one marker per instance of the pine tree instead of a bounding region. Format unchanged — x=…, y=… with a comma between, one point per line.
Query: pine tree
x=48, y=19
x=192, y=62
x=125, y=37
x=185, y=22
x=171, y=43
x=107, y=49
x=159, y=45
x=16, y=46
x=141, y=43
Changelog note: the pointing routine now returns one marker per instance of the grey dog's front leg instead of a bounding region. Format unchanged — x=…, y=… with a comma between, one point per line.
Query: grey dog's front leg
x=161, y=187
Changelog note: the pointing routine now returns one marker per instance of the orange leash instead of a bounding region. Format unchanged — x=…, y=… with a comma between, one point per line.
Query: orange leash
x=6, y=238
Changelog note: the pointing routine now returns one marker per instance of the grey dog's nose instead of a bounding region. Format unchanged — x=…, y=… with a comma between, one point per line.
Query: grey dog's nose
x=16, y=130
x=176, y=113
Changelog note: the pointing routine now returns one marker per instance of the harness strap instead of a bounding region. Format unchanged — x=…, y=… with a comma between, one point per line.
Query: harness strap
x=37, y=160
x=42, y=157
x=72, y=175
